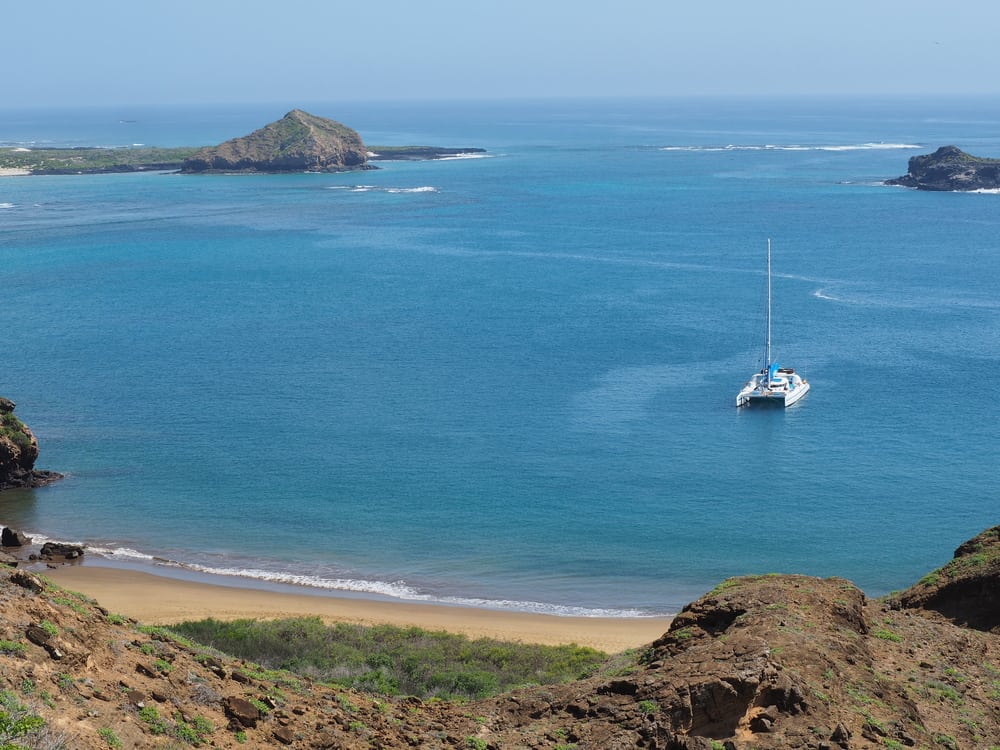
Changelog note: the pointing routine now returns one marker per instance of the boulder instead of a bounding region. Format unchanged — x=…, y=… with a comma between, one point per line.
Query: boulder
x=241, y=712
x=13, y=538
x=57, y=551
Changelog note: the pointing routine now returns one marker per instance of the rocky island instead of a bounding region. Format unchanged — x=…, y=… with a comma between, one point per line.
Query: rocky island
x=950, y=169
x=298, y=142
x=18, y=453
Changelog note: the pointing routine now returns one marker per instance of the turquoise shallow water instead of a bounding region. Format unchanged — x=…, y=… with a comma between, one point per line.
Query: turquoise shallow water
x=510, y=380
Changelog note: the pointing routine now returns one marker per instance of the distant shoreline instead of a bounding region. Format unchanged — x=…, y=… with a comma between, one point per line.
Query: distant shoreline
x=21, y=162
x=159, y=600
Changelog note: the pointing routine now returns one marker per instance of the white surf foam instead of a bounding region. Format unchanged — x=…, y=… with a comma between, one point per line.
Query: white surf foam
x=400, y=590
x=6, y=205
x=380, y=189
x=879, y=146
x=404, y=591
x=470, y=155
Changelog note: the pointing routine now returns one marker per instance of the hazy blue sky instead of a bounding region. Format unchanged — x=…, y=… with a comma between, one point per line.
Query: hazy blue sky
x=193, y=51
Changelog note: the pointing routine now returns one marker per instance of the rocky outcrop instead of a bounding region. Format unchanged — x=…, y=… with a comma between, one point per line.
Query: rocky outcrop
x=949, y=168
x=18, y=452
x=766, y=662
x=298, y=142
x=967, y=589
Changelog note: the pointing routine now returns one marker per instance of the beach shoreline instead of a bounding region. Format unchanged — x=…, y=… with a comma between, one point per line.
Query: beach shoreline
x=161, y=600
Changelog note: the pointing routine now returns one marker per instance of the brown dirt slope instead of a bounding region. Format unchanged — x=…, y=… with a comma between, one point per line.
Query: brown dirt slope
x=759, y=662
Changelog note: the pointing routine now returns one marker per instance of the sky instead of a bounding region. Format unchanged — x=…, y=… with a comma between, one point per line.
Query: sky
x=75, y=52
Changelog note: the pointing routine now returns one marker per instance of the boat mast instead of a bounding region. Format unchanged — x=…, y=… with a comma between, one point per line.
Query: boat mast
x=767, y=343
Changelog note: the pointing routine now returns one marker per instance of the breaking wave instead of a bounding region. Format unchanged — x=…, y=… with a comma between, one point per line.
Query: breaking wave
x=880, y=146
x=400, y=590
x=381, y=189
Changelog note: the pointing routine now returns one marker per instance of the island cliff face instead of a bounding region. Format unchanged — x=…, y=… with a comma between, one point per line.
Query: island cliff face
x=298, y=142
x=18, y=452
x=948, y=169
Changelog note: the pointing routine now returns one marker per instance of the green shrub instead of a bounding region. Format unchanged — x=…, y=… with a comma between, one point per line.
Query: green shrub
x=17, y=721
x=152, y=718
x=649, y=707
x=389, y=660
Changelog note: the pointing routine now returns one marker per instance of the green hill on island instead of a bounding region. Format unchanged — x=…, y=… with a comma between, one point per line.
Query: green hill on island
x=298, y=142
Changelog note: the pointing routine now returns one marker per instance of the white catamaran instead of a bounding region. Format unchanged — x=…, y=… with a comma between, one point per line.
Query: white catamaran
x=773, y=385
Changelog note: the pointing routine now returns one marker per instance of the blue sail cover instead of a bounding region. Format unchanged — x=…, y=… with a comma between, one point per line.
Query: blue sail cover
x=772, y=371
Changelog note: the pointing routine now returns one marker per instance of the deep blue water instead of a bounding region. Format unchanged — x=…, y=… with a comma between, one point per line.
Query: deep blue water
x=511, y=380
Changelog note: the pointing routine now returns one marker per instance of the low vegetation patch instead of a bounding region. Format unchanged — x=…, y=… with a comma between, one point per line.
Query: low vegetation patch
x=390, y=660
x=13, y=428
x=17, y=722
x=78, y=160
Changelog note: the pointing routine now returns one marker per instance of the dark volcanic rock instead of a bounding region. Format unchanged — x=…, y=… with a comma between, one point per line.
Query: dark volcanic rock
x=18, y=452
x=14, y=538
x=298, y=142
x=59, y=551
x=949, y=168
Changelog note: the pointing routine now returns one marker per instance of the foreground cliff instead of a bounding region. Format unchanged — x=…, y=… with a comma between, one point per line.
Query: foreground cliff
x=761, y=662
x=18, y=452
x=298, y=142
x=949, y=168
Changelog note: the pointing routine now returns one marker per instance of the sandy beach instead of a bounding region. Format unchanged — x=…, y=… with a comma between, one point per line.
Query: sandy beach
x=13, y=172
x=158, y=600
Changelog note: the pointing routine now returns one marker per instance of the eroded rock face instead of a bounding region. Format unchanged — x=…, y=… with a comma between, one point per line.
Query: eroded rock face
x=949, y=168
x=299, y=142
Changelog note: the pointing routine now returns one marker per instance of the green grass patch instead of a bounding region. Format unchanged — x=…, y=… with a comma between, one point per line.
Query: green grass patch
x=390, y=660
x=13, y=648
x=887, y=635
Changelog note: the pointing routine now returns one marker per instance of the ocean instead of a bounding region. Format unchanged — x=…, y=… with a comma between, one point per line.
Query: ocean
x=509, y=381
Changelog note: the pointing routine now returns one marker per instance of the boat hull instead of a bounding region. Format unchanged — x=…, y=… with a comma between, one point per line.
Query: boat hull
x=760, y=396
